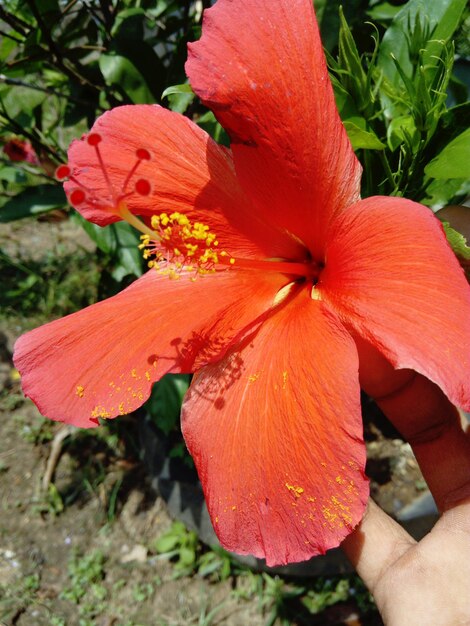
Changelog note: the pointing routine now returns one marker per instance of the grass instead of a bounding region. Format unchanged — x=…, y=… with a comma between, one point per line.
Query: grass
x=55, y=287
x=50, y=288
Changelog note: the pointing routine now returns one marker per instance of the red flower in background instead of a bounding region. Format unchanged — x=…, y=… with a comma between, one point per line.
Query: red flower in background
x=282, y=271
x=19, y=150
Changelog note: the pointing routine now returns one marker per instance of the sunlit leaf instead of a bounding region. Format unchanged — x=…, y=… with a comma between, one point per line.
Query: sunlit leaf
x=185, y=88
x=33, y=201
x=179, y=97
x=361, y=138
x=12, y=175
x=453, y=161
x=399, y=128
x=418, y=19
x=440, y=193
x=119, y=241
x=383, y=11
x=457, y=241
x=128, y=255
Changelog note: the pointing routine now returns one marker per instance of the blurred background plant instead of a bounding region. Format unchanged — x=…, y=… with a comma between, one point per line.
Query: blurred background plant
x=401, y=75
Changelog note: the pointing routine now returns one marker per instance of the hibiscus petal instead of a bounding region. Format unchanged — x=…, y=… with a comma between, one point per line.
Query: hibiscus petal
x=259, y=66
x=187, y=172
x=276, y=433
x=391, y=274
x=102, y=361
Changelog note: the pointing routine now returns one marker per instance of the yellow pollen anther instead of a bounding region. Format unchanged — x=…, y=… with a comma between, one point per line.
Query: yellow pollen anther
x=174, y=245
x=179, y=245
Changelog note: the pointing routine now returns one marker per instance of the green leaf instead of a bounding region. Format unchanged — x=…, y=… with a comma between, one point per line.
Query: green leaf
x=361, y=138
x=453, y=161
x=179, y=97
x=119, y=241
x=399, y=129
x=130, y=24
x=166, y=543
x=129, y=28
x=452, y=123
x=33, y=201
x=128, y=255
x=440, y=193
x=383, y=11
x=457, y=241
x=184, y=88
x=7, y=46
x=348, y=54
x=20, y=102
x=165, y=402
x=419, y=23
x=103, y=236
x=187, y=556
x=12, y=175
x=209, y=123
x=330, y=20
x=123, y=75
x=161, y=7
x=319, y=9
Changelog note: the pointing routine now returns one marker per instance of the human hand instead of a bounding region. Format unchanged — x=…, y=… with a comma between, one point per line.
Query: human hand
x=424, y=583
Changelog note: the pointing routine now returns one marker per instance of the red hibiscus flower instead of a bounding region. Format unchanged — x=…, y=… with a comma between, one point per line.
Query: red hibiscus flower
x=19, y=150
x=271, y=280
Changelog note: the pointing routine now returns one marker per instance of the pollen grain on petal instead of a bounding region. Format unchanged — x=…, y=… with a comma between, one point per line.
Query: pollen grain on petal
x=80, y=391
x=285, y=377
x=101, y=411
x=254, y=377
x=295, y=490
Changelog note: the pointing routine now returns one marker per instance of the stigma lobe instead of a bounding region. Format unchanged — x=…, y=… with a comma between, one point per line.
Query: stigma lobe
x=113, y=199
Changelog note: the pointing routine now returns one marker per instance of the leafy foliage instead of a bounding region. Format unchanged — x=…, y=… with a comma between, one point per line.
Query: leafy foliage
x=393, y=101
x=63, y=64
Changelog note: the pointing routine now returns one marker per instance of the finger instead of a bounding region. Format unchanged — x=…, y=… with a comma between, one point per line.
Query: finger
x=427, y=420
x=376, y=544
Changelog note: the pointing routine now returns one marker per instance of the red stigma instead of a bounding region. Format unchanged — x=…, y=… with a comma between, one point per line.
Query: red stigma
x=63, y=171
x=142, y=187
x=143, y=154
x=114, y=198
x=93, y=139
x=77, y=197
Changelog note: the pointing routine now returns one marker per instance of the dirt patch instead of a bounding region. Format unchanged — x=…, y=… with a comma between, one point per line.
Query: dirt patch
x=69, y=563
